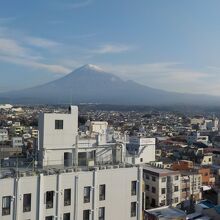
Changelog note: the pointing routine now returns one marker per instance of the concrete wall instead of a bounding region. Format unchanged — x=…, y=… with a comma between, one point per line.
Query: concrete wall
x=146, y=149
x=53, y=142
x=117, y=201
x=159, y=184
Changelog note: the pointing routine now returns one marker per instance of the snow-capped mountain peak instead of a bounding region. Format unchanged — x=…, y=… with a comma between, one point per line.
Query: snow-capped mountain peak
x=93, y=67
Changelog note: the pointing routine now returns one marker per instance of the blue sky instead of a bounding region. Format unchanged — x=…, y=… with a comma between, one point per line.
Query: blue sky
x=168, y=44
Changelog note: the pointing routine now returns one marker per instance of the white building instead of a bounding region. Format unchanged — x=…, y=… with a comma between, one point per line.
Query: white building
x=141, y=150
x=3, y=135
x=194, y=137
x=17, y=142
x=210, y=124
x=5, y=106
x=98, y=129
x=104, y=194
x=57, y=137
x=55, y=192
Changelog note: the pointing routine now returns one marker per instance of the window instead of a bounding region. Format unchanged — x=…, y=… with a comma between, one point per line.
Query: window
x=133, y=209
x=27, y=202
x=176, y=200
x=86, y=214
x=176, y=188
x=102, y=213
x=67, y=197
x=101, y=192
x=153, y=203
x=6, y=205
x=163, y=202
x=49, y=199
x=49, y=218
x=153, y=189
x=141, y=159
x=134, y=188
x=147, y=176
x=87, y=194
x=164, y=179
x=66, y=216
x=153, y=178
x=163, y=190
x=58, y=124
x=147, y=187
x=176, y=177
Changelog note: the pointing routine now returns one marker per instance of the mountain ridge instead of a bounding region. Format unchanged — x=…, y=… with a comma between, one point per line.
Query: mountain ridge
x=91, y=84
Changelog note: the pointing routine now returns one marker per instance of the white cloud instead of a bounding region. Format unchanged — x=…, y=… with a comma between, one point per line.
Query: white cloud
x=170, y=76
x=41, y=42
x=18, y=48
x=11, y=47
x=54, y=68
x=170, y=70
x=112, y=48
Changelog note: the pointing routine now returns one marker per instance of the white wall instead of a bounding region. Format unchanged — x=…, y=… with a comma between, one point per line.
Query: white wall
x=117, y=202
x=146, y=151
x=3, y=135
x=53, y=142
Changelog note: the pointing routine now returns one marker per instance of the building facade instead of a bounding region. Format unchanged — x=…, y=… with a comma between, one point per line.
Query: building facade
x=104, y=194
x=162, y=187
x=3, y=135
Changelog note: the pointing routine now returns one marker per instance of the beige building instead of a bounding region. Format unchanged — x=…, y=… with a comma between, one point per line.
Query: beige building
x=162, y=187
x=191, y=183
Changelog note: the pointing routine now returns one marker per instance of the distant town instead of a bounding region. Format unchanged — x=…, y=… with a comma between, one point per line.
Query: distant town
x=96, y=162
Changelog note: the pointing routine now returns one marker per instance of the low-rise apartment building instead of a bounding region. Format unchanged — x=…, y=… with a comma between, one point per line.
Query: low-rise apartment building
x=191, y=183
x=162, y=187
x=3, y=135
x=207, y=176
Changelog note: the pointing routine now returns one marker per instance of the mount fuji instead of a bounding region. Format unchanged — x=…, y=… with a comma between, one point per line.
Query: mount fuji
x=91, y=84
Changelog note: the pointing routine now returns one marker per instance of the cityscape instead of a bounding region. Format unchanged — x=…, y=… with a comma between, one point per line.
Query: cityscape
x=88, y=162
x=109, y=110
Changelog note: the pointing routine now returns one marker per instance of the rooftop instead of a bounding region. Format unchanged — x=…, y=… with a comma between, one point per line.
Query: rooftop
x=166, y=212
x=159, y=171
x=31, y=171
x=206, y=204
